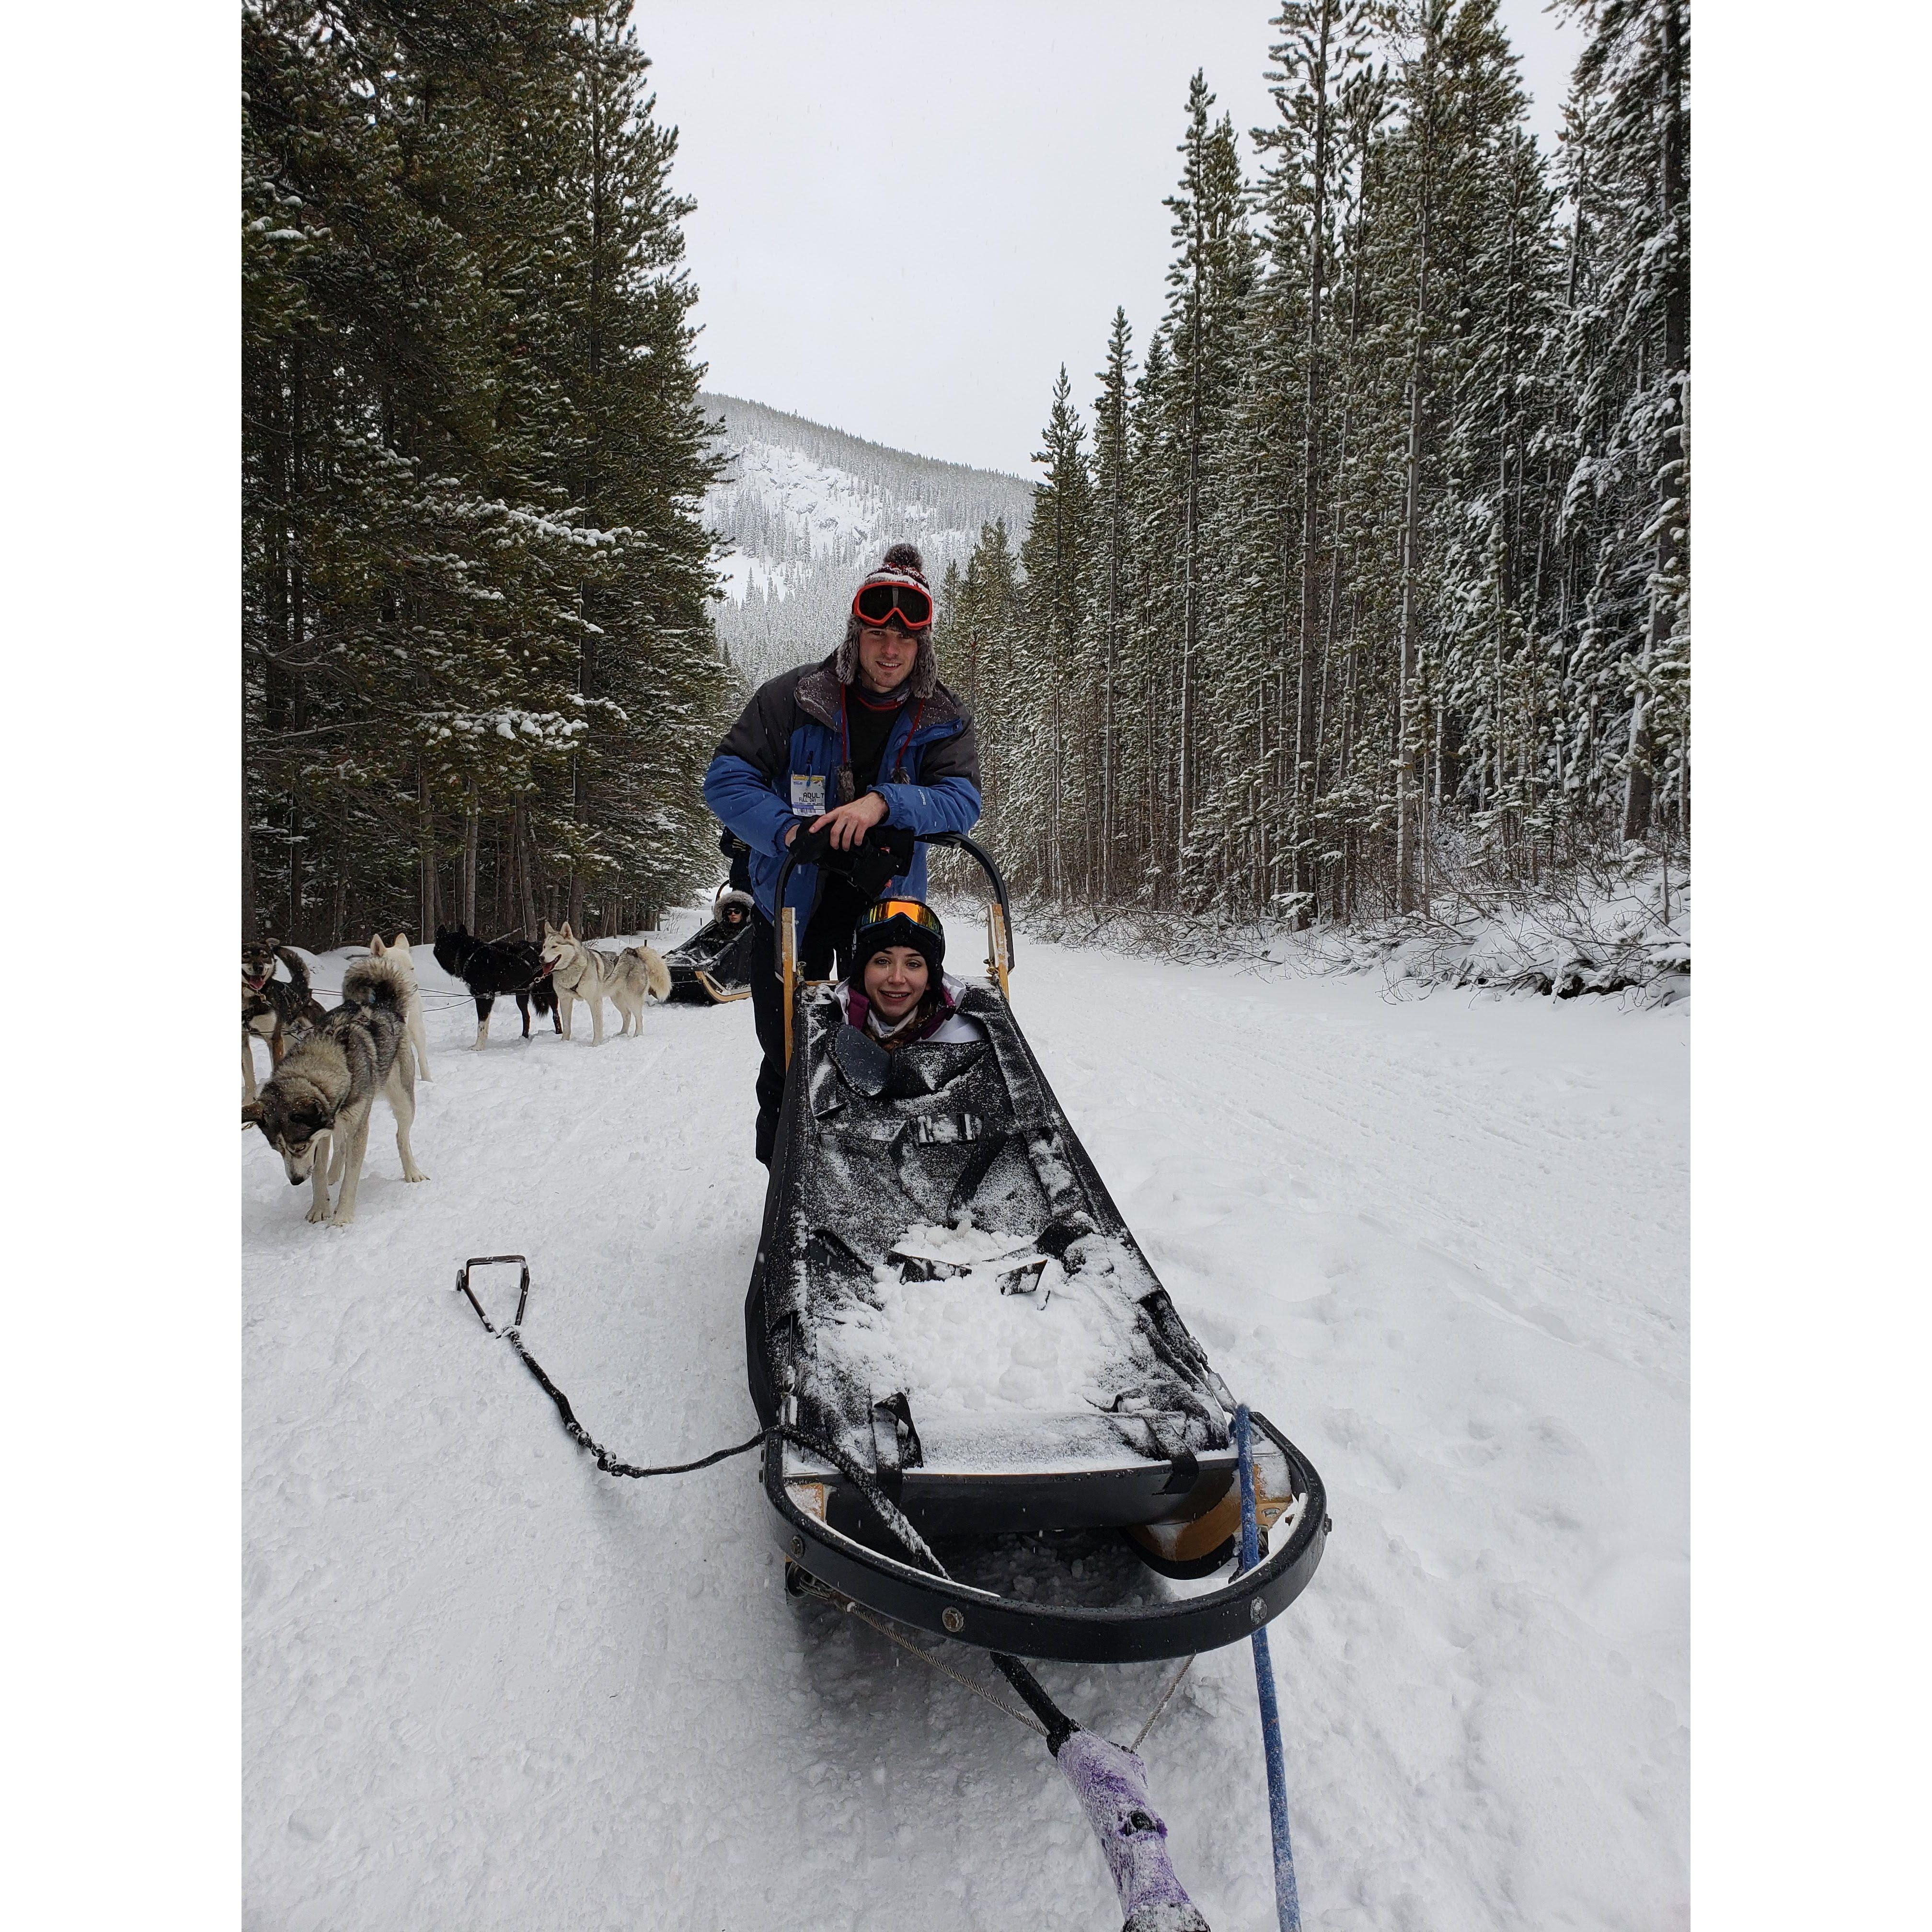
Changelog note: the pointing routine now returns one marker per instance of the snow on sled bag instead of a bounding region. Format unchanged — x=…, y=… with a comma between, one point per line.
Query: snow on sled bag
x=947, y=1300
x=713, y=966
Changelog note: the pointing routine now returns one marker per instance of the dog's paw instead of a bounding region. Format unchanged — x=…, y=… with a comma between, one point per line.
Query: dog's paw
x=414, y=1173
x=341, y=1220
x=318, y=1213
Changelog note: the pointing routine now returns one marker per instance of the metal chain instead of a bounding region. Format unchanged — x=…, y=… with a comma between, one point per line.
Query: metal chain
x=839, y=1601
x=1174, y=1685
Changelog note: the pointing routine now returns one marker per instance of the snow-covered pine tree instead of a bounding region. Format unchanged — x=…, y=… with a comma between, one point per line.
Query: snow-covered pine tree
x=1323, y=48
x=1402, y=523
x=620, y=433
x=1630, y=352
x=978, y=623
x=1054, y=668
x=403, y=625
x=1209, y=280
x=430, y=594
x=1110, y=587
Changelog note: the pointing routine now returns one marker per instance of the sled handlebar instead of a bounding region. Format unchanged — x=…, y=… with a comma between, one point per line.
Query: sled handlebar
x=958, y=842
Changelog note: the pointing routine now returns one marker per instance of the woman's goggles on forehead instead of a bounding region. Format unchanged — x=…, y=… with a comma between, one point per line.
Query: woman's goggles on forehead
x=914, y=909
x=879, y=604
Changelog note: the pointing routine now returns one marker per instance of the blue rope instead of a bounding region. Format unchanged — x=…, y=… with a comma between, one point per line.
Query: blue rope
x=1287, y=1903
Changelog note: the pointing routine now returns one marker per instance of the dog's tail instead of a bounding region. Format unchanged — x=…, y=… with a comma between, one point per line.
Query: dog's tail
x=657, y=974
x=297, y=971
x=375, y=982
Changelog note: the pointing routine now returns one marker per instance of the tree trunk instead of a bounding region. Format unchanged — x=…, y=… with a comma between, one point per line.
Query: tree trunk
x=1640, y=780
x=248, y=929
x=1406, y=733
x=1191, y=557
x=426, y=914
x=1407, y=805
x=467, y=911
x=1311, y=444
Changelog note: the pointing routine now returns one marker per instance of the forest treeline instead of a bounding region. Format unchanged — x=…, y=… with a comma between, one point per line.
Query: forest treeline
x=480, y=679
x=1370, y=570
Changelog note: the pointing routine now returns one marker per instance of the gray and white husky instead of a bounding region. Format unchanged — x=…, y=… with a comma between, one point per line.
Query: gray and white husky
x=314, y=1111
x=580, y=972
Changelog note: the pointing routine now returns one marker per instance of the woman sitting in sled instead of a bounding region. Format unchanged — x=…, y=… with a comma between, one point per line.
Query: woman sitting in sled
x=898, y=993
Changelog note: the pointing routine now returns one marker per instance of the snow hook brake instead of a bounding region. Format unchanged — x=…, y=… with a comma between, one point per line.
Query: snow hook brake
x=469, y=1293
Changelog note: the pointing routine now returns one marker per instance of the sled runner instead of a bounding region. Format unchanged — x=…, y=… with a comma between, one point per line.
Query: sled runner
x=712, y=967
x=949, y=1317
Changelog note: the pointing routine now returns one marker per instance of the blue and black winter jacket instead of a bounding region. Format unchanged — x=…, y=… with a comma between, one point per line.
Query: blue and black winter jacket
x=784, y=762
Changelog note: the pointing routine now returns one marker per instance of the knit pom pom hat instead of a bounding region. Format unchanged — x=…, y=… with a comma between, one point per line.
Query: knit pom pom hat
x=901, y=564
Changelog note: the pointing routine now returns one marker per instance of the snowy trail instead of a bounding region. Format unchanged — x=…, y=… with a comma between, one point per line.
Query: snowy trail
x=1443, y=1245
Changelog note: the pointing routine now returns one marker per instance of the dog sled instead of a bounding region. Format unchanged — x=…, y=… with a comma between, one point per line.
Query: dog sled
x=955, y=1346
x=713, y=966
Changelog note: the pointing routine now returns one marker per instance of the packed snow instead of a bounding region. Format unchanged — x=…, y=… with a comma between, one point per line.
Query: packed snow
x=1441, y=1242
x=992, y=1338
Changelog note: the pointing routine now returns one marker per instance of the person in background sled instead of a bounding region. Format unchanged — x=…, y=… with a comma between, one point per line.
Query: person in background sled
x=898, y=991
x=869, y=737
x=732, y=906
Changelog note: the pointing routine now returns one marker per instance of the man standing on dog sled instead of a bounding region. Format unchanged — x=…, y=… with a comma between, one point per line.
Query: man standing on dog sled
x=868, y=737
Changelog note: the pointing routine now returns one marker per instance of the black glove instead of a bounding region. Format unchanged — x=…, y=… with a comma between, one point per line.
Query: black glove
x=885, y=854
x=812, y=846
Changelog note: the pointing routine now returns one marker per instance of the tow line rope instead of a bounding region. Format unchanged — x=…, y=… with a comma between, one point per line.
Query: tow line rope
x=1287, y=1901
x=605, y=1461
x=1054, y=1724
x=1133, y=1840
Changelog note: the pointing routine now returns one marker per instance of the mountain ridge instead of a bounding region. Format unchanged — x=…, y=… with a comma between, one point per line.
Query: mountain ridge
x=807, y=509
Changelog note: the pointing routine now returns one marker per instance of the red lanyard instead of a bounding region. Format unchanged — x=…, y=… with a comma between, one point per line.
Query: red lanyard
x=845, y=732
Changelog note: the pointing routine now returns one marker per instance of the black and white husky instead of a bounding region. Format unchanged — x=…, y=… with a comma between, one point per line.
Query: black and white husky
x=626, y=979
x=488, y=967
x=314, y=1111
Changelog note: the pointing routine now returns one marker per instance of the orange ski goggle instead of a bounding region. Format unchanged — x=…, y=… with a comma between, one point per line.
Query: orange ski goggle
x=915, y=910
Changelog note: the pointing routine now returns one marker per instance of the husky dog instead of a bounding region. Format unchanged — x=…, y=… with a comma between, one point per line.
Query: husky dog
x=398, y=952
x=488, y=967
x=579, y=972
x=276, y=1010
x=315, y=1109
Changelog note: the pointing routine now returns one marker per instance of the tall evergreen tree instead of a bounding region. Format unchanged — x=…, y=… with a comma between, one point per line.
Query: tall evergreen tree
x=474, y=581
x=1385, y=572
x=1208, y=278
x=1111, y=589
x=1054, y=664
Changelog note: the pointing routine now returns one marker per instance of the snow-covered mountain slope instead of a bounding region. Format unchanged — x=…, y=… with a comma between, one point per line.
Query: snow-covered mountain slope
x=1443, y=1244
x=807, y=510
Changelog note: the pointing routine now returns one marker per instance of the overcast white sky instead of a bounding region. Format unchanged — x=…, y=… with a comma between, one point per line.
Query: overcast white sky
x=909, y=214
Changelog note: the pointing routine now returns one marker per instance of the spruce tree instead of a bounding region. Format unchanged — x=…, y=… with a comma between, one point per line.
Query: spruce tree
x=476, y=636
x=1054, y=666
x=1110, y=583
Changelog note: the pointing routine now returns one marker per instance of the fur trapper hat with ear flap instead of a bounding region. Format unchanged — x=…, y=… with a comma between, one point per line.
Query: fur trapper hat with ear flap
x=901, y=564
